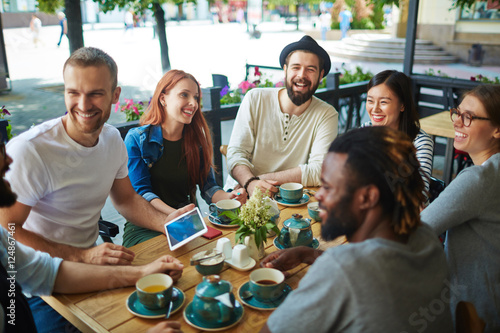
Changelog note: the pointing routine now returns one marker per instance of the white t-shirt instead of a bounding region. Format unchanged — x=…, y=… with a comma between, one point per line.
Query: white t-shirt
x=65, y=183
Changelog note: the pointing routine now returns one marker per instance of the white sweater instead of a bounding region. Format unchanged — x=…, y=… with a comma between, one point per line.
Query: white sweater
x=267, y=140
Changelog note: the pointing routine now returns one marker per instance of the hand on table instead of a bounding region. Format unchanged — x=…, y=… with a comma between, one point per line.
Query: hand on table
x=107, y=254
x=166, y=327
x=268, y=186
x=165, y=264
x=288, y=259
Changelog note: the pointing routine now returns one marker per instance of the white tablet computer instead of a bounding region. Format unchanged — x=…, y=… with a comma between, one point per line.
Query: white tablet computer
x=185, y=228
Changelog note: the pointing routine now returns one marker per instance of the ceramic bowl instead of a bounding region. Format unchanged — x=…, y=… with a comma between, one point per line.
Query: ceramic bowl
x=313, y=210
x=210, y=266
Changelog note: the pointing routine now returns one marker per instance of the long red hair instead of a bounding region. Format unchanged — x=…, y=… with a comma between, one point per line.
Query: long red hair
x=196, y=135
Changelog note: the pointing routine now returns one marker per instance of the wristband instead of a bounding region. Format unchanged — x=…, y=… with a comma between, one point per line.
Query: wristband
x=249, y=181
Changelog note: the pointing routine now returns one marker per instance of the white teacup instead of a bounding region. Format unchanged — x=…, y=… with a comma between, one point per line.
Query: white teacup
x=240, y=256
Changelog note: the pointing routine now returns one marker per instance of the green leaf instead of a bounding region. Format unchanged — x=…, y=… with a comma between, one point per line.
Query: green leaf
x=258, y=239
x=270, y=225
x=232, y=215
x=276, y=230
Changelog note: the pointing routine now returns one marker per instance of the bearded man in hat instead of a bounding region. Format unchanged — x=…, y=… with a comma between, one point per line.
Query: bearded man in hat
x=281, y=135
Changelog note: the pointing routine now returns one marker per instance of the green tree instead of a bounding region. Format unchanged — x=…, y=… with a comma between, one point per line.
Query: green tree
x=73, y=15
x=159, y=14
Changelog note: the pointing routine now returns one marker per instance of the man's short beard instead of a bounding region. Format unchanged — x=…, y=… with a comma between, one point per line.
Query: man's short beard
x=343, y=224
x=7, y=197
x=299, y=98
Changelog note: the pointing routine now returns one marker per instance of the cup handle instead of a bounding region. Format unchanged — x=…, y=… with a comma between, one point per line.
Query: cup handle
x=212, y=207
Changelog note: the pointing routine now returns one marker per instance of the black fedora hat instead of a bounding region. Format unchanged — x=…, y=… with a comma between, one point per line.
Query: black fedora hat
x=309, y=44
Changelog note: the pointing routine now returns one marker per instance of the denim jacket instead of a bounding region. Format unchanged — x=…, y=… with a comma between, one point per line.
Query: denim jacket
x=145, y=147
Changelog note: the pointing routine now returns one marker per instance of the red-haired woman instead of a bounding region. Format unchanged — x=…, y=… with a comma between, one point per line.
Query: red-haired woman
x=172, y=152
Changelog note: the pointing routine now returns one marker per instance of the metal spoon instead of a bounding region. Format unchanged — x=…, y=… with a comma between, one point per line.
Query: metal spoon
x=194, y=262
x=246, y=294
x=175, y=296
x=210, y=216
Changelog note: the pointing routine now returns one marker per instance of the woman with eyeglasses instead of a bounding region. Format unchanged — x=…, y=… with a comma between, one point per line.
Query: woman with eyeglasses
x=390, y=103
x=469, y=208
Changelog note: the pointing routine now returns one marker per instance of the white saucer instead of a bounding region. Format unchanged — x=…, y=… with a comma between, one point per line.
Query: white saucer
x=249, y=266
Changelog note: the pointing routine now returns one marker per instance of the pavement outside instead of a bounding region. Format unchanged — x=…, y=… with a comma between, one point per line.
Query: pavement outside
x=197, y=47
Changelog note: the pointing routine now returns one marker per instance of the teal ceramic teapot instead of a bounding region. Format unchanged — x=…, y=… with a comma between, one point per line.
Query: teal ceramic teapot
x=296, y=231
x=214, y=301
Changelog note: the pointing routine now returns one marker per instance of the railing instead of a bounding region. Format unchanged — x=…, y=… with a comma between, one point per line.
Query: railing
x=432, y=95
x=347, y=99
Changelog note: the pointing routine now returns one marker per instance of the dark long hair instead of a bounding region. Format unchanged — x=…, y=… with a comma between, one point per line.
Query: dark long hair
x=196, y=135
x=400, y=85
x=386, y=158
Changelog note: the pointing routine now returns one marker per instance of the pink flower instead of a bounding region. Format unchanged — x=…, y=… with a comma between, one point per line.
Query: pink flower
x=245, y=86
x=117, y=107
x=279, y=84
x=130, y=102
x=136, y=110
x=257, y=72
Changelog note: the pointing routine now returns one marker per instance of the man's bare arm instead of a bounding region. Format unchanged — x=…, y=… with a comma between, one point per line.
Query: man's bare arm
x=102, y=254
x=138, y=210
x=267, y=181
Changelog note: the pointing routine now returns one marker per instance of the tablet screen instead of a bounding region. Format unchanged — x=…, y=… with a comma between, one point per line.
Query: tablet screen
x=185, y=228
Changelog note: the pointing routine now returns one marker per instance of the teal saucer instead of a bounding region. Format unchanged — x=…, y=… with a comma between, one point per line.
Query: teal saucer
x=279, y=246
x=212, y=217
x=255, y=304
x=281, y=201
x=136, y=308
x=190, y=317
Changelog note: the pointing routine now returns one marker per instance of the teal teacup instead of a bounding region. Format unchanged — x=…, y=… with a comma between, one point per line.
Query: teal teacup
x=155, y=291
x=313, y=210
x=266, y=284
x=226, y=205
x=291, y=192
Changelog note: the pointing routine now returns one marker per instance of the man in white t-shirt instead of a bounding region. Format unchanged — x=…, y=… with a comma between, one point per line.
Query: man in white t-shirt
x=38, y=273
x=281, y=135
x=65, y=168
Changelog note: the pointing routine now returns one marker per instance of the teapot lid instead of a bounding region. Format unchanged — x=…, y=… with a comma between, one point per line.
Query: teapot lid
x=297, y=222
x=212, y=286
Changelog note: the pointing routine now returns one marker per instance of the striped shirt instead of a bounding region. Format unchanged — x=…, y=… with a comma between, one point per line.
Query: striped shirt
x=425, y=152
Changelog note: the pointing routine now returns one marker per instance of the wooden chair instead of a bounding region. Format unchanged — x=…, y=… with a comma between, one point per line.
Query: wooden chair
x=467, y=320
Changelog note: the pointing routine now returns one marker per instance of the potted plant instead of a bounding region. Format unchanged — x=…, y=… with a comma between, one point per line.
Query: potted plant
x=5, y=127
x=255, y=219
x=133, y=110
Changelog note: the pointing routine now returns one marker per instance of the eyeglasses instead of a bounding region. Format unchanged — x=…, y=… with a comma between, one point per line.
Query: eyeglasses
x=467, y=118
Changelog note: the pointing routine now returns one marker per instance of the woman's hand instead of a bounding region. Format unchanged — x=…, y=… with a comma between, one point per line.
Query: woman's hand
x=239, y=194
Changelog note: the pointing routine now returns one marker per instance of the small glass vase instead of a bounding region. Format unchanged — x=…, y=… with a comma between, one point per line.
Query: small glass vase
x=255, y=252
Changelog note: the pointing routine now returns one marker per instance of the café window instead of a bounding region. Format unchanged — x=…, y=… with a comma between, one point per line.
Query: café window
x=482, y=10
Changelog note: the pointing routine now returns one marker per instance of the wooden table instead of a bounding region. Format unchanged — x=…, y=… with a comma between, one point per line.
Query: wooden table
x=106, y=311
x=440, y=124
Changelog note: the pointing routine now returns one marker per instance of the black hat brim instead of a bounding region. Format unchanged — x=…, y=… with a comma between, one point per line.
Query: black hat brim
x=308, y=44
